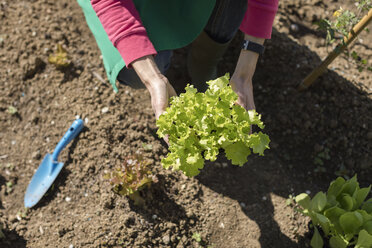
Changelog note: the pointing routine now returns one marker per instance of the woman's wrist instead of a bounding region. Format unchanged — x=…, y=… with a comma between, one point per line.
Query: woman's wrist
x=247, y=61
x=147, y=70
x=254, y=39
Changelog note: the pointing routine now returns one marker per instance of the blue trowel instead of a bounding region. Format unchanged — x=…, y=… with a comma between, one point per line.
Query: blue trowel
x=50, y=167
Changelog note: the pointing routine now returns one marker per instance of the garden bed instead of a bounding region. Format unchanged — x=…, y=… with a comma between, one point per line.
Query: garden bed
x=226, y=205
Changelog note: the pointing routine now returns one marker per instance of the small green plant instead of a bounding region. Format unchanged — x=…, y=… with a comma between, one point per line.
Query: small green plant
x=320, y=158
x=147, y=147
x=60, y=58
x=134, y=175
x=341, y=24
x=197, y=237
x=12, y=110
x=23, y=213
x=290, y=200
x=9, y=187
x=343, y=214
x=200, y=124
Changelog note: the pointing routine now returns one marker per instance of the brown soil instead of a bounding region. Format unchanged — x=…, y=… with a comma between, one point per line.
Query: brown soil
x=227, y=205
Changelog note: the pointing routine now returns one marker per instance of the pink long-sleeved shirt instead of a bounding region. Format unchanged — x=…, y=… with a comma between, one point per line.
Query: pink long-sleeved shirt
x=122, y=23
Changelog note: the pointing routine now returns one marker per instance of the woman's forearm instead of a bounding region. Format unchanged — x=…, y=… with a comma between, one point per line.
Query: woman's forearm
x=147, y=70
x=247, y=61
x=123, y=25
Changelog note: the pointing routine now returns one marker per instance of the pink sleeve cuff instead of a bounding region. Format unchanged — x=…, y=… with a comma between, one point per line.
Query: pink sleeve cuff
x=135, y=46
x=259, y=18
x=123, y=25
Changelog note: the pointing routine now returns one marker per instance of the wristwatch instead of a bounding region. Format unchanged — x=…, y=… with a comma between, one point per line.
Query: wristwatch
x=253, y=46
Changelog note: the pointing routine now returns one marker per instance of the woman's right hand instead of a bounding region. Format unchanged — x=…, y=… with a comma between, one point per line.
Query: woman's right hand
x=157, y=84
x=160, y=90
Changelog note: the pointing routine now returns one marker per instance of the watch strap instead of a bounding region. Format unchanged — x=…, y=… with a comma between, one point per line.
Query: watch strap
x=253, y=46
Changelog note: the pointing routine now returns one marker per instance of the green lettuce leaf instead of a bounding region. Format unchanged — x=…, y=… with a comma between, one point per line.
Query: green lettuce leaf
x=198, y=125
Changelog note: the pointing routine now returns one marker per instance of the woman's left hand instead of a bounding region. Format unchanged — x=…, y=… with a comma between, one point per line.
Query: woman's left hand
x=244, y=89
x=241, y=81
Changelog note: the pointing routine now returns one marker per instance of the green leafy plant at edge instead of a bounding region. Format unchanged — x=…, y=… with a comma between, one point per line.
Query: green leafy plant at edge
x=199, y=124
x=343, y=214
x=131, y=177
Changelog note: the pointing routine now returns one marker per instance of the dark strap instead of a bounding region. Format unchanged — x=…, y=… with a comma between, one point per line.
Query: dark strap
x=253, y=46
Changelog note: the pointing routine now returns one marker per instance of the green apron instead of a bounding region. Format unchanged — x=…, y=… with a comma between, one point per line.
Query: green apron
x=170, y=24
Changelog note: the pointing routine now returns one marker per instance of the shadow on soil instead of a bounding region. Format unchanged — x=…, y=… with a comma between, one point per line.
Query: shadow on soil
x=159, y=203
x=70, y=72
x=2, y=184
x=332, y=116
x=249, y=185
x=12, y=240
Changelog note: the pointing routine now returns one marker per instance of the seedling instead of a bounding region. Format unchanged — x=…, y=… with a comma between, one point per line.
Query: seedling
x=196, y=236
x=23, y=213
x=134, y=175
x=9, y=187
x=290, y=200
x=60, y=58
x=12, y=110
x=147, y=147
x=320, y=158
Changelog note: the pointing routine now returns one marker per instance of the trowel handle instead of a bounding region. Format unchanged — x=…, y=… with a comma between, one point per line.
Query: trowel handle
x=71, y=133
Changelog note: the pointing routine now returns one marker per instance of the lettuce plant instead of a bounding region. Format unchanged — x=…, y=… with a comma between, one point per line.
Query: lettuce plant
x=198, y=125
x=343, y=215
x=134, y=175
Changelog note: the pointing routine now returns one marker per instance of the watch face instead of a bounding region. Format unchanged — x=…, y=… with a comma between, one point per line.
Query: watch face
x=245, y=44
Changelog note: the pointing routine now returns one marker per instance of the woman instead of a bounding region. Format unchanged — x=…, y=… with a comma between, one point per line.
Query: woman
x=144, y=32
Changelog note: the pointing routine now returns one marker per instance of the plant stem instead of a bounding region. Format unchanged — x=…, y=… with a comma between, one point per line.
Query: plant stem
x=347, y=40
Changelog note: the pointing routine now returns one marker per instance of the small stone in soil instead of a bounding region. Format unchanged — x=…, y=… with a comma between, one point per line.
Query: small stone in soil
x=166, y=239
x=308, y=192
x=105, y=110
x=294, y=27
x=36, y=155
x=68, y=199
x=264, y=198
